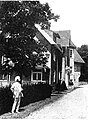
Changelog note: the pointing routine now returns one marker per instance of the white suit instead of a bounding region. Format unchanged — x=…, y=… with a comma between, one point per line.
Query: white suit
x=17, y=94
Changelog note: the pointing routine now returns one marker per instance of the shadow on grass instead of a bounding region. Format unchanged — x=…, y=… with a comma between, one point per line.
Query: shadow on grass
x=78, y=87
x=21, y=109
x=65, y=91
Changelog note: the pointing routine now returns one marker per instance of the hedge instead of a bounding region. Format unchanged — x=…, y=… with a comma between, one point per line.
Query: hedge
x=61, y=86
x=32, y=93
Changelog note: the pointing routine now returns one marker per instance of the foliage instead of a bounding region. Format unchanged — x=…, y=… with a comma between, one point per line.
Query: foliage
x=17, y=43
x=61, y=86
x=36, y=92
x=32, y=93
x=6, y=100
x=83, y=51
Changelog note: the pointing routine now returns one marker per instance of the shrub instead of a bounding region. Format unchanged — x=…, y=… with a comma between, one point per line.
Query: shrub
x=6, y=99
x=61, y=86
x=33, y=93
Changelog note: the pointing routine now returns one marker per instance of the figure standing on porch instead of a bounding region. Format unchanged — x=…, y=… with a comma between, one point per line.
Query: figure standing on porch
x=17, y=94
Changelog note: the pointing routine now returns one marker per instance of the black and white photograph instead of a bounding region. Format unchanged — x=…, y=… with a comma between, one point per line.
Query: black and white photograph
x=44, y=59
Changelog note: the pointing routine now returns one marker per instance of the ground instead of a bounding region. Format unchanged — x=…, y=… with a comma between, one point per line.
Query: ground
x=73, y=105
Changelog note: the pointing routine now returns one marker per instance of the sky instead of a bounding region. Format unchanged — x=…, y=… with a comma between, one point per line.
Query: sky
x=73, y=16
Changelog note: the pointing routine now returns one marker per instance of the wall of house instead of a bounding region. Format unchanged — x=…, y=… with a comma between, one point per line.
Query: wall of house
x=77, y=72
x=65, y=65
x=56, y=66
x=40, y=75
x=68, y=65
x=48, y=64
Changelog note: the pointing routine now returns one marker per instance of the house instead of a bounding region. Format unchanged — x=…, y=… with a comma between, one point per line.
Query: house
x=62, y=64
x=50, y=74
x=71, y=60
x=68, y=61
x=78, y=61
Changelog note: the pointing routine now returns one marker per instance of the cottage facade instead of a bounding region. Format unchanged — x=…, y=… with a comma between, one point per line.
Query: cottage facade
x=52, y=72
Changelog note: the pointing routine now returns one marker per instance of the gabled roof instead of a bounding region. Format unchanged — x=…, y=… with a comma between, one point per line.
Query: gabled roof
x=47, y=37
x=50, y=40
x=65, y=38
x=71, y=44
x=77, y=57
x=49, y=32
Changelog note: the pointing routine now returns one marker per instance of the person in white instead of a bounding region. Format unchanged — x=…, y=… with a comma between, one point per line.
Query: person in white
x=17, y=94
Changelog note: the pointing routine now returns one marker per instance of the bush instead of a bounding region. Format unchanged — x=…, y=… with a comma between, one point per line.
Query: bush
x=61, y=86
x=32, y=93
x=6, y=100
x=58, y=86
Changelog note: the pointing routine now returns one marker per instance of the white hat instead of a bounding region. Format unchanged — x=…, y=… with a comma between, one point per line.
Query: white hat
x=17, y=78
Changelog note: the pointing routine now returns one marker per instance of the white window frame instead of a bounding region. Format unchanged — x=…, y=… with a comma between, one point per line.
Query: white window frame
x=37, y=77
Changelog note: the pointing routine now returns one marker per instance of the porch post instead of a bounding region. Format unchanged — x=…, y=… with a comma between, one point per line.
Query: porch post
x=50, y=69
x=57, y=78
x=2, y=64
x=9, y=77
x=63, y=69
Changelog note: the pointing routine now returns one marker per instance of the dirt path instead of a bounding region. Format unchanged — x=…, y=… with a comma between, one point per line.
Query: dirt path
x=73, y=105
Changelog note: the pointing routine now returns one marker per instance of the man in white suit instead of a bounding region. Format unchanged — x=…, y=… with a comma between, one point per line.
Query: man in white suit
x=17, y=94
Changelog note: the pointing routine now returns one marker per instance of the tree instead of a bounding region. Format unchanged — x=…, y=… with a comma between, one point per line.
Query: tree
x=83, y=51
x=17, y=43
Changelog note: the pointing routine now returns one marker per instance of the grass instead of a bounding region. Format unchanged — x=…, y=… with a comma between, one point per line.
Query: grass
x=83, y=83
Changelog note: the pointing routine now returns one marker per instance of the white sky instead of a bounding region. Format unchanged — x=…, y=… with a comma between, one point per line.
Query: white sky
x=73, y=16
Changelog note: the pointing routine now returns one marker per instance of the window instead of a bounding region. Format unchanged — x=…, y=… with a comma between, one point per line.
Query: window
x=37, y=76
x=70, y=53
x=70, y=69
x=77, y=68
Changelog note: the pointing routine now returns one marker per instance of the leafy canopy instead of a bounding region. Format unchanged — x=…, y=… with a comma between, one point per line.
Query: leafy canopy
x=17, y=43
x=83, y=51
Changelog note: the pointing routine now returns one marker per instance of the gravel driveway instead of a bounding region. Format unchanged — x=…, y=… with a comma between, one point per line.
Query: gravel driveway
x=73, y=105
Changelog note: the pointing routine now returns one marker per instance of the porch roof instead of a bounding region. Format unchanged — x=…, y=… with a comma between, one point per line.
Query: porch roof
x=77, y=57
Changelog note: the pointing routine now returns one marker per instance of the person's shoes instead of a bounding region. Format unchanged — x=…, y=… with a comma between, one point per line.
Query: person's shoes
x=17, y=112
x=12, y=112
